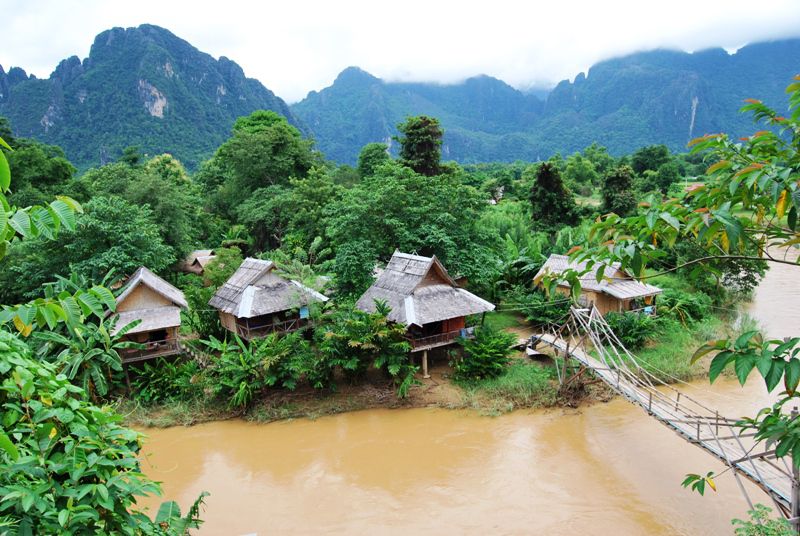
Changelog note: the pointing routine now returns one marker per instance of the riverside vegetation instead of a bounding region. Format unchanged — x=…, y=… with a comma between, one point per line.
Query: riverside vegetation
x=267, y=193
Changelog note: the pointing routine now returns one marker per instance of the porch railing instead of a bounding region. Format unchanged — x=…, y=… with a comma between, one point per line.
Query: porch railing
x=253, y=332
x=440, y=339
x=151, y=350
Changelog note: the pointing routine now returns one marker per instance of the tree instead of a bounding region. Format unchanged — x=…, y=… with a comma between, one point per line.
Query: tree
x=599, y=157
x=371, y=156
x=650, y=158
x=400, y=209
x=112, y=235
x=39, y=172
x=581, y=173
x=552, y=203
x=420, y=144
x=265, y=150
x=618, y=196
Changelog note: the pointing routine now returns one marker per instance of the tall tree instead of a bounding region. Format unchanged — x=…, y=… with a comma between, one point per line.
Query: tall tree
x=420, y=145
x=618, y=196
x=552, y=203
x=371, y=156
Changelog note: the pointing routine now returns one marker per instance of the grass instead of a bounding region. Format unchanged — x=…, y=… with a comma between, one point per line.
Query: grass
x=523, y=385
x=669, y=356
x=501, y=320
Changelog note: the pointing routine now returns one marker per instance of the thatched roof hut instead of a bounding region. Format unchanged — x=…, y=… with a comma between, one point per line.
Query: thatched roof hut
x=152, y=300
x=617, y=290
x=196, y=261
x=255, y=290
x=419, y=291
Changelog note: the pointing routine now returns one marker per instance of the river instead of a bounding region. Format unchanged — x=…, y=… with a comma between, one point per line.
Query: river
x=602, y=469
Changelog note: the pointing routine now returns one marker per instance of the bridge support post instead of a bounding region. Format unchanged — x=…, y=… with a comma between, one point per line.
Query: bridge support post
x=795, y=512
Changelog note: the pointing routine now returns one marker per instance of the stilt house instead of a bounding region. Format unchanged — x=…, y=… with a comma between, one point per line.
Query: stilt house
x=256, y=301
x=423, y=296
x=148, y=298
x=617, y=291
x=196, y=261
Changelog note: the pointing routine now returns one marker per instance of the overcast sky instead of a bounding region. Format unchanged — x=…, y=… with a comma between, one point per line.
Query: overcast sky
x=296, y=46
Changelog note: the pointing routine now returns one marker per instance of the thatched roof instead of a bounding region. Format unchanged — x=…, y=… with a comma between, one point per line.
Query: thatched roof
x=196, y=261
x=152, y=317
x=145, y=277
x=420, y=291
x=615, y=282
x=255, y=290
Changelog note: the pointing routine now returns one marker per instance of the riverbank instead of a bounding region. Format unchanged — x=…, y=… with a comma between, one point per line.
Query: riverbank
x=526, y=384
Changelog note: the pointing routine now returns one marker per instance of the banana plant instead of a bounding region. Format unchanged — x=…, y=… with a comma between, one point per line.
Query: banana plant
x=88, y=353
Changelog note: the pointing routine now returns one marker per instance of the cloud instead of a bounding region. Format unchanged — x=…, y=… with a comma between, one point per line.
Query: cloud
x=300, y=46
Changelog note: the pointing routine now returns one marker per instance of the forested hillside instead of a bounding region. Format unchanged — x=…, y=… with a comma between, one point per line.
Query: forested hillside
x=146, y=87
x=651, y=97
x=139, y=86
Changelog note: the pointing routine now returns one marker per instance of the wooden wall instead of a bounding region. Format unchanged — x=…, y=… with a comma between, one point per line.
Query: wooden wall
x=143, y=297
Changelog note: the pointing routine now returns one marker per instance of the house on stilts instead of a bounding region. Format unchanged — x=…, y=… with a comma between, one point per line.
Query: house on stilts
x=617, y=291
x=423, y=296
x=157, y=304
x=196, y=261
x=256, y=301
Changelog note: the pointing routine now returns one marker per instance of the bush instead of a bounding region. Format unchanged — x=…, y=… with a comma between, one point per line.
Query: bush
x=632, y=329
x=162, y=381
x=353, y=340
x=761, y=524
x=686, y=307
x=243, y=369
x=66, y=465
x=485, y=356
x=539, y=309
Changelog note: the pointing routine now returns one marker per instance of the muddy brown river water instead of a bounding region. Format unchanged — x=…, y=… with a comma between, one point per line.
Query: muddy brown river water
x=605, y=469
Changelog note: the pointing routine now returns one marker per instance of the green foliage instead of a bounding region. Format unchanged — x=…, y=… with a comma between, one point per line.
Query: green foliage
x=485, y=356
x=632, y=329
x=198, y=290
x=400, y=209
x=538, y=308
x=552, y=204
x=683, y=306
x=88, y=354
x=522, y=384
x=163, y=380
x=761, y=523
x=698, y=482
x=352, y=340
x=420, y=144
x=67, y=466
x=649, y=158
x=265, y=150
x=371, y=156
x=113, y=234
x=618, y=196
x=244, y=369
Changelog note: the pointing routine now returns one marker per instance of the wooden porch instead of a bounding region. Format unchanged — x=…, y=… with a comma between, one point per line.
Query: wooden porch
x=151, y=350
x=249, y=331
x=419, y=344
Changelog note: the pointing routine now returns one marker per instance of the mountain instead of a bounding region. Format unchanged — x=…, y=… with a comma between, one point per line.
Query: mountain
x=139, y=86
x=660, y=96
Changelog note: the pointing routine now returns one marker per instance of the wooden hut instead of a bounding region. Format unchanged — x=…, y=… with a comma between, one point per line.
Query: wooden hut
x=148, y=298
x=196, y=261
x=256, y=301
x=617, y=291
x=423, y=296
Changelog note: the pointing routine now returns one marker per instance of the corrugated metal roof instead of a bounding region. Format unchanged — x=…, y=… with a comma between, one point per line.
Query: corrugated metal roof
x=420, y=291
x=615, y=282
